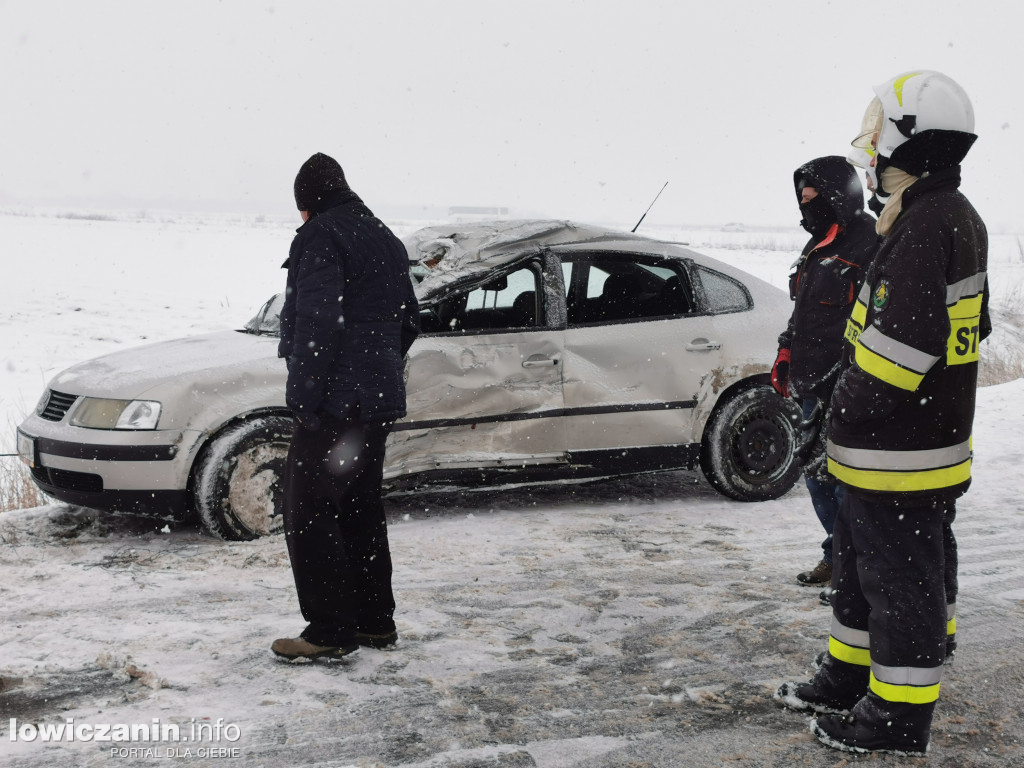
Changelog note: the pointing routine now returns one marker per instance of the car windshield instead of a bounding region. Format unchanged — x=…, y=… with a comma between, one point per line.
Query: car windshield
x=267, y=321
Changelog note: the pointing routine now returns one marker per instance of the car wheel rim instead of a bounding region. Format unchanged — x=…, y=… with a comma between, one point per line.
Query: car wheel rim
x=758, y=446
x=254, y=495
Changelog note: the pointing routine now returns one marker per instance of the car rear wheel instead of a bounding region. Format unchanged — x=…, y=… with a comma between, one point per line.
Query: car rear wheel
x=748, y=446
x=238, y=483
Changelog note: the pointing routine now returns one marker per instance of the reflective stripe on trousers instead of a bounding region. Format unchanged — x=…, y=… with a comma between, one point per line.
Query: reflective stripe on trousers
x=889, y=604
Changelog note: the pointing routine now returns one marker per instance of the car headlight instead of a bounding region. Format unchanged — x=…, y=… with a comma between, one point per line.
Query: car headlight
x=101, y=413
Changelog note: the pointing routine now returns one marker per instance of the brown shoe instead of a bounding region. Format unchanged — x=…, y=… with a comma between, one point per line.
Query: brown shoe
x=822, y=574
x=371, y=640
x=294, y=648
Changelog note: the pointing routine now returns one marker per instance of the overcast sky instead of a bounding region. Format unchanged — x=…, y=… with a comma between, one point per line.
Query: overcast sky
x=556, y=108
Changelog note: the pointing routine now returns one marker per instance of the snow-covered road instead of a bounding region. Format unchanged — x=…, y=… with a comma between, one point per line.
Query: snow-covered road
x=634, y=622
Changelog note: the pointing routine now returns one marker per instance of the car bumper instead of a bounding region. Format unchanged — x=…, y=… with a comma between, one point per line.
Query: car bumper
x=112, y=470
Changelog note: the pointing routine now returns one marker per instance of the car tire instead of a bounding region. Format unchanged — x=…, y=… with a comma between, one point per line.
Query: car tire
x=748, y=445
x=238, y=490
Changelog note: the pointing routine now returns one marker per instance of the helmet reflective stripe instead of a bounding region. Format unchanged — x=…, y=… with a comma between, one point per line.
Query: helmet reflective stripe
x=897, y=85
x=921, y=101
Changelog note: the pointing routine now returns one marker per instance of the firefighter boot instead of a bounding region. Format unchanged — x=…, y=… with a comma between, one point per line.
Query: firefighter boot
x=835, y=688
x=877, y=725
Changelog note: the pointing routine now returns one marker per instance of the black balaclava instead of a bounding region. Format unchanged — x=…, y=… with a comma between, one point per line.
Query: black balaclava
x=818, y=215
x=840, y=194
x=317, y=178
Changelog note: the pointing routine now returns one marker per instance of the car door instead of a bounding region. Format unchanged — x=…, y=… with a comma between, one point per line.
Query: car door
x=484, y=379
x=640, y=347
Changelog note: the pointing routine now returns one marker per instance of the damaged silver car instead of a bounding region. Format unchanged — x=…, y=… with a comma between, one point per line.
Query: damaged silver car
x=548, y=350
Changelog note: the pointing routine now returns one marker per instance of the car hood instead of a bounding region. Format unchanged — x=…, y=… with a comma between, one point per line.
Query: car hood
x=203, y=359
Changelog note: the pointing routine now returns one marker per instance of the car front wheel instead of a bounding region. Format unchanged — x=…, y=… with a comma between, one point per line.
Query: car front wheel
x=238, y=483
x=747, y=452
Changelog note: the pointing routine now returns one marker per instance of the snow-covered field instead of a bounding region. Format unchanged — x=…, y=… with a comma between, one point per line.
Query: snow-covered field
x=636, y=622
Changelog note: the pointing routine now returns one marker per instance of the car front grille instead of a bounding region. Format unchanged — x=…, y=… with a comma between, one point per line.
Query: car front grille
x=68, y=480
x=57, y=405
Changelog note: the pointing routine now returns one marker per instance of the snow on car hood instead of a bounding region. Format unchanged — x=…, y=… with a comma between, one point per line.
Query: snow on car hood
x=128, y=374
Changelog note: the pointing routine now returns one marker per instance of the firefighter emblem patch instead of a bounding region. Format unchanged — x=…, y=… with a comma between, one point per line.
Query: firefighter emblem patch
x=880, y=296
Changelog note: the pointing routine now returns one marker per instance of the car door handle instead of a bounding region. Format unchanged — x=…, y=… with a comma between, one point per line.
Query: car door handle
x=538, y=361
x=703, y=345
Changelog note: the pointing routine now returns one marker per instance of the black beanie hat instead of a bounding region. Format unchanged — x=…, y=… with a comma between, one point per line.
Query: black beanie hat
x=317, y=177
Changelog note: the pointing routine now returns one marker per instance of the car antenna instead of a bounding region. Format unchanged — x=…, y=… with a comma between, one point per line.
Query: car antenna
x=650, y=206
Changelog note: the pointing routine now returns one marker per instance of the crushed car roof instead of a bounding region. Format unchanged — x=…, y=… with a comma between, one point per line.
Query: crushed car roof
x=451, y=248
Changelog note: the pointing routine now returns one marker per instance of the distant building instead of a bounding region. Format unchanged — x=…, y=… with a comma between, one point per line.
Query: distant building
x=462, y=213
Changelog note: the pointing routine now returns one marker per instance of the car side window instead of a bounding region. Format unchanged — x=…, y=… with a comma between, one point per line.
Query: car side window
x=723, y=293
x=509, y=302
x=624, y=288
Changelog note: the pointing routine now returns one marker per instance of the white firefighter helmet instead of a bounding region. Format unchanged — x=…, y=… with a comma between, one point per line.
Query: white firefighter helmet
x=859, y=158
x=920, y=101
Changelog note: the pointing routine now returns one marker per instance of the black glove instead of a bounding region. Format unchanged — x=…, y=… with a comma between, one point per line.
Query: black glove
x=810, y=434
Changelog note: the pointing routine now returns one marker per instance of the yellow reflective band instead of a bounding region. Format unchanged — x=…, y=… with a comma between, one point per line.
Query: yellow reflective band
x=855, y=323
x=880, y=480
x=951, y=626
x=849, y=653
x=970, y=307
x=852, y=332
x=905, y=694
x=898, y=86
x=886, y=370
x=962, y=344
x=859, y=313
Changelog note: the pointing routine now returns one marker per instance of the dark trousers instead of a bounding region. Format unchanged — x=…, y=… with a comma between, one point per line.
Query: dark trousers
x=950, y=553
x=825, y=498
x=826, y=495
x=336, y=529
x=890, y=578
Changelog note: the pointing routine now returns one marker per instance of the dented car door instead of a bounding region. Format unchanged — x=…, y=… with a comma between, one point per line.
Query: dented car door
x=641, y=349
x=485, y=377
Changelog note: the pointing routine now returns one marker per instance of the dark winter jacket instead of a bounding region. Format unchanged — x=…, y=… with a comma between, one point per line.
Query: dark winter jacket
x=349, y=315
x=826, y=277
x=903, y=409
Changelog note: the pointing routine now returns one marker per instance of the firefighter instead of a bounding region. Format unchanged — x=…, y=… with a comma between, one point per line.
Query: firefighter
x=899, y=430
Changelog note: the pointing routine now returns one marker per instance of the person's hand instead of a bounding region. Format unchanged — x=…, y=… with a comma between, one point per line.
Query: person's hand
x=780, y=373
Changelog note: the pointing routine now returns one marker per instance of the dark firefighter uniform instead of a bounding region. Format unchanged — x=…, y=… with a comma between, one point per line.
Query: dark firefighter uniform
x=899, y=438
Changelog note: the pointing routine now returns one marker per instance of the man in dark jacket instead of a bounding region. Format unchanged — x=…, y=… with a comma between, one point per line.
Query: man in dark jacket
x=899, y=437
x=823, y=285
x=348, y=320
